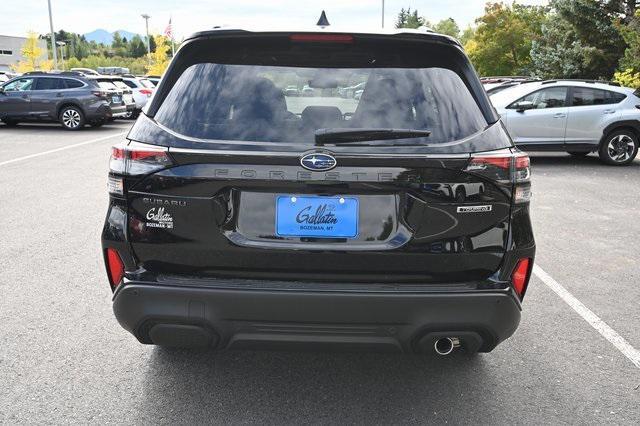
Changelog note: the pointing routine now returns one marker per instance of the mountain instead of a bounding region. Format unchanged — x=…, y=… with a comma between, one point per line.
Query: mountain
x=104, y=36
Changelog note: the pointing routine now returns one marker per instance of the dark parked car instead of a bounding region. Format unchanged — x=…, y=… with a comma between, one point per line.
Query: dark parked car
x=69, y=98
x=400, y=225
x=120, y=93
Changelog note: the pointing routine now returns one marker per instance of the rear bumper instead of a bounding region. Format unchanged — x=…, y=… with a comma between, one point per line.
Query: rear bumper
x=233, y=318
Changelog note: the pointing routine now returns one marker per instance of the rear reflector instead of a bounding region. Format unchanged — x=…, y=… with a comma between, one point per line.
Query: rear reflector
x=115, y=268
x=321, y=38
x=115, y=185
x=520, y=276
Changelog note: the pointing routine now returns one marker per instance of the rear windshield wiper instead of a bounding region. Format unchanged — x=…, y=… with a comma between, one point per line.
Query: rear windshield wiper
x=324, y=136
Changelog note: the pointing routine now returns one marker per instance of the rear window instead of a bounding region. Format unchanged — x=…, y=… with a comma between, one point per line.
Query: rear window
x=583, y=96
x=72, y=84
x=120, y=84
x=108, y=85
x=288, y=103
x=49, y=83
x=147, y=83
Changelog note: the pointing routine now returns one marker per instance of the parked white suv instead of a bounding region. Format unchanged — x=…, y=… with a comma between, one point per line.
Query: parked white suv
x=142, y=90
x=578, y=117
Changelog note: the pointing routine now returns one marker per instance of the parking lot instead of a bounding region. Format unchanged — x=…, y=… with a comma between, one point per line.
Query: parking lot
x=64, y=358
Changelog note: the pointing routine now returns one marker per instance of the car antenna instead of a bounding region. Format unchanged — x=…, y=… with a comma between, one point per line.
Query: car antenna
x=323, y=21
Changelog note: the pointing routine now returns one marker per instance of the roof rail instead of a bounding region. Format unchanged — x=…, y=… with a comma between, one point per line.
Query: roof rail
x=77, y=73
x=578, y=80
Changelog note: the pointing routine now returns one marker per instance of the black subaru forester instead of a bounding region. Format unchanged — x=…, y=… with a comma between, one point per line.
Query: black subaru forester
x=323, y=190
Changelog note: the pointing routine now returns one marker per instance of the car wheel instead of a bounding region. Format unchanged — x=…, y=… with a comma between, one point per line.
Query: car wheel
x=71, y=118
x=578, y=153
x=619, y=148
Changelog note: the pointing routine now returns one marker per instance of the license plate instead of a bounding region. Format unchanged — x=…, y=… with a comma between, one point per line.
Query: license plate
x=116, y=99
x=309, y=216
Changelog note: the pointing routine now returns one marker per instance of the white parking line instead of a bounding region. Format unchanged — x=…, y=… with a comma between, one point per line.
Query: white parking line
x=51, y=151
x=601, y=327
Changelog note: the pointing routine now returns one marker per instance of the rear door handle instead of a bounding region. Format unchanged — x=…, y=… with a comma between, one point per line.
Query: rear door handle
x=559, y=115
x=25, y=97
x=59, y=95
x=609, y=111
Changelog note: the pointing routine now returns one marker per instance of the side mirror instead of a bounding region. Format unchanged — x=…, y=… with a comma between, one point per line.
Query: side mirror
x=1, y=90
x=523, y=106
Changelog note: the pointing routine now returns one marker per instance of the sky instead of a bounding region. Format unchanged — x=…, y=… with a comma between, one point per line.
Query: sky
x=82, y=16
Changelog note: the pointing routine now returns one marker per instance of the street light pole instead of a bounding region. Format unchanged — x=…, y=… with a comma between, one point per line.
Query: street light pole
x=53, y=38
x=382, y=13
x=146, y=20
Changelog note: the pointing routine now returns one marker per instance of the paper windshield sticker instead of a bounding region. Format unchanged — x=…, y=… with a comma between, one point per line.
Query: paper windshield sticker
x=159, y=218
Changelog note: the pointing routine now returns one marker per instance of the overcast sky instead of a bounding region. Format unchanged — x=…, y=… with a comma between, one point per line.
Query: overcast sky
x=82, y=16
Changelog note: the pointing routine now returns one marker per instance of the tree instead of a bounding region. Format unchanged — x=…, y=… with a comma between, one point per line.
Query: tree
x=631, y=34
x=409, y=19
x=152, y=44
x=137, y=47
x=558, y=53
x=117, y=41
x=502, y=40
x=467, y=35
x=32, y=54
x=447, y=26
x=159, y=57
x=590, y=36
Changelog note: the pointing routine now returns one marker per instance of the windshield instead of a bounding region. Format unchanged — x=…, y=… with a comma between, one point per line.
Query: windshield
x=289, y=104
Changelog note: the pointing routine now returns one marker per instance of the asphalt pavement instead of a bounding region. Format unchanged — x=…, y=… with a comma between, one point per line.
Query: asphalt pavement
x=64, y=358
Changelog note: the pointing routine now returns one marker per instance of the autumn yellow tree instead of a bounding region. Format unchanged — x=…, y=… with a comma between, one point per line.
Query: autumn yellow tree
x=32, y=54
x=160, y=58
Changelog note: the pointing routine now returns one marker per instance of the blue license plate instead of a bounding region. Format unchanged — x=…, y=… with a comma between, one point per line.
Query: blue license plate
x=309, y=216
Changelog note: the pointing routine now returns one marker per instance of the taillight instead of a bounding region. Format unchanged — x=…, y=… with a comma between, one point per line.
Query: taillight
x=520, y=276
x=115, y=268
x=135, y=159
x=147, y=92
x=99, y=93
x=322, y=38
x=505, y=167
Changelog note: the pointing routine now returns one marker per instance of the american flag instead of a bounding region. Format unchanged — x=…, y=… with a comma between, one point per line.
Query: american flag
x=169, y=30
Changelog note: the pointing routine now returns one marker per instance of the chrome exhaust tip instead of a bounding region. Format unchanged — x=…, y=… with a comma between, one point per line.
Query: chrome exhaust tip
x=446, y=345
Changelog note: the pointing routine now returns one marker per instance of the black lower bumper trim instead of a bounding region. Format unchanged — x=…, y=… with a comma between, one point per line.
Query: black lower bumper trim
x=261, y=319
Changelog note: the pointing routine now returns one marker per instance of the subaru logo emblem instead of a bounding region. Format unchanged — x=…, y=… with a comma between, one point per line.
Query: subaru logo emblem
x=318, y=162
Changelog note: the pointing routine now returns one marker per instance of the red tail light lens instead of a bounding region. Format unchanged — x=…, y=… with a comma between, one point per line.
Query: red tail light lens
x=322, y=38
x=138, y=159
x=147, y=92
x=100, y=93
x=115, y=268
x=505, y=167
x=520, y=276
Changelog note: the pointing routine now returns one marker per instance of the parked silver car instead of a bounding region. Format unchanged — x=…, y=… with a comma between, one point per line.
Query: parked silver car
x=142, y=90
x=578, y=117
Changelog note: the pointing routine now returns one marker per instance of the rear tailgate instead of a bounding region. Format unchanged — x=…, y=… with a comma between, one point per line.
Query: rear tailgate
x=420, y=220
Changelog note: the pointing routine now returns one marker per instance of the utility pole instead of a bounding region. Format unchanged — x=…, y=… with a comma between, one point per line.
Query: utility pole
x=382, y=13
x=53, y=38
x=146, y=20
